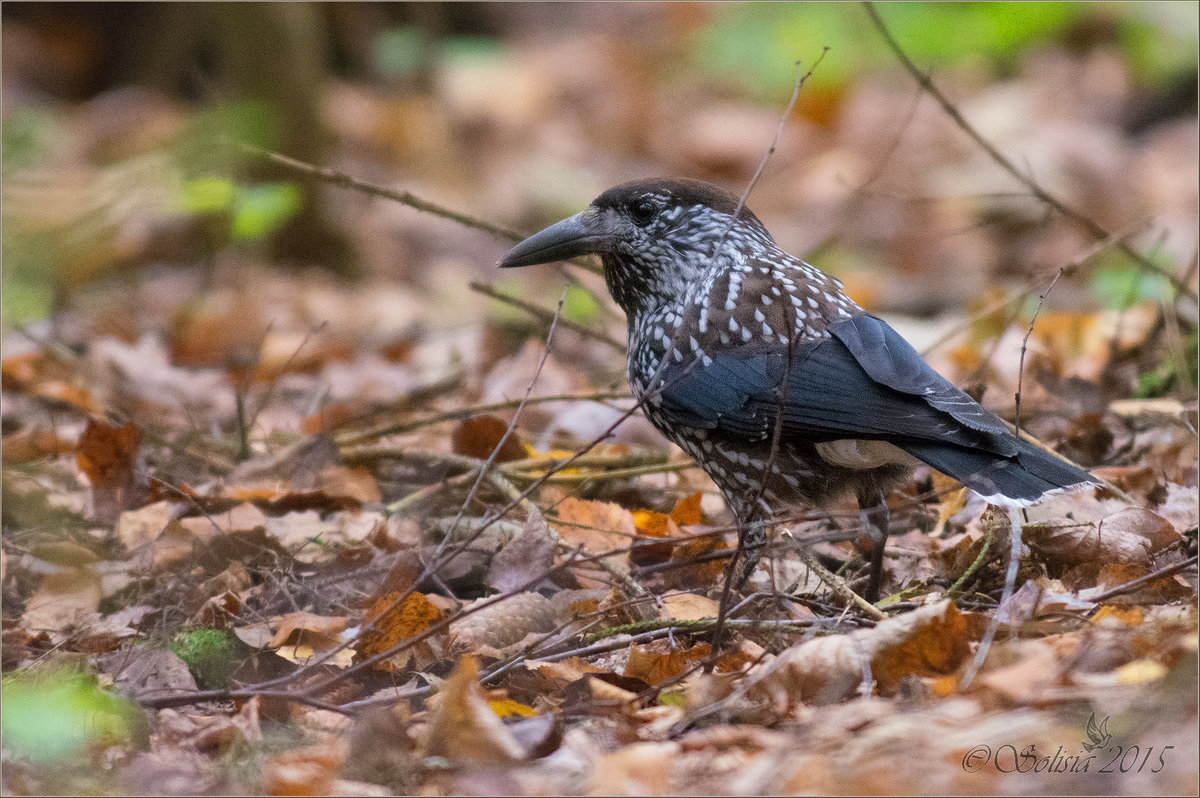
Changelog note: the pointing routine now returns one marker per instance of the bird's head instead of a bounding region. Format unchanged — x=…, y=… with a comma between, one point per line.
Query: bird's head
x=656, y=238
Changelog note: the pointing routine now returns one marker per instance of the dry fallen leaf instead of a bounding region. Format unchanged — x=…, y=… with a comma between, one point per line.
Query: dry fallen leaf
x=661, y=660
x=598, y=527
x=462, y=726
x=392, y=622
x=932, y=640
x=479, y=436
x=62, y=599
x=108, y=456
x=523, y=558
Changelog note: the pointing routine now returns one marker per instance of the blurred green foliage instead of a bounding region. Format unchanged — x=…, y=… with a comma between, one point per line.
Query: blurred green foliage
x=755, y=43
x=400, y=51
x=56, y=714
x=263, y=208
x=580, y=306
x=1118, y=284
x=403, y=51
x=199, y=168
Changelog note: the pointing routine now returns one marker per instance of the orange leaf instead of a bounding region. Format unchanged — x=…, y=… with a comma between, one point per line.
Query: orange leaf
x=107, y=454
x=393, y=623
x=478, y=437
x=693, y=574
x=687, y=510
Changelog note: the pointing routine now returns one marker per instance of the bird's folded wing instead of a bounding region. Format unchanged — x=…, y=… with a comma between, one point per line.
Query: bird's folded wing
x=889, y=359
x=829, y=390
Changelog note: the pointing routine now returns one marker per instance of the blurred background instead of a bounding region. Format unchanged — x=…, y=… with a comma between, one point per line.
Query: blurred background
x=131, y=208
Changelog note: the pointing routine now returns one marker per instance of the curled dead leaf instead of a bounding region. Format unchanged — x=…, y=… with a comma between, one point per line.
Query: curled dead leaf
x=1129, y=536
x=462, y=726
x=929, y=641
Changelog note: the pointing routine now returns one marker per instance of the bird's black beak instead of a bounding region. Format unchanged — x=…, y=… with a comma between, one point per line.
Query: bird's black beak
x=560, y=241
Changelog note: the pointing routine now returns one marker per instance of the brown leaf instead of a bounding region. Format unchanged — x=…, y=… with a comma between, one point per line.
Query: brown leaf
x=660, y=660
x=687, y=510
x=305, y=771
x=34, y=443
x=108, y=455
x=689, y=607
x=318, y=631
x=929, y=641
x=523, y=558
x=137, y=528
x=62, y=599
x=1083, y=544
x=463, y=728
x=38, y=374
x=479, y=436
x=1137, y=522
x=598, y=527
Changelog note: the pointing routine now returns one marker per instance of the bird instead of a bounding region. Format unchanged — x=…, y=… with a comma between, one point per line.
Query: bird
x=783, y=389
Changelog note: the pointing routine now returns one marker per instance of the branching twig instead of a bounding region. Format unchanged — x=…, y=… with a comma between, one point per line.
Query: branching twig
x=403, y=197
x=350, y=438
x=545, y=315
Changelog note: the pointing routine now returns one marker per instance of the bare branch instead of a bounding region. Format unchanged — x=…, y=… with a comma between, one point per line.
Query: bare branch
x=1087, y=223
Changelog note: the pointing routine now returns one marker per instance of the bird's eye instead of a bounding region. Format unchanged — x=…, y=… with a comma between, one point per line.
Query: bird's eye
x=642, y=212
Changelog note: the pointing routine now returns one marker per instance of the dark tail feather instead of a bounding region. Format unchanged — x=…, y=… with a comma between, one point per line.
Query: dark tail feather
x=1022, y=478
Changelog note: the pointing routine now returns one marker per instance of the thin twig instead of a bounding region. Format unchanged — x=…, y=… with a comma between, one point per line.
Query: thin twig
x=350, y=438
x=508, y=432
x=1024, y=348
x=403, y=197
x=1134, y=584
x=546, y=315
x=1010, y=583
x=783, y=119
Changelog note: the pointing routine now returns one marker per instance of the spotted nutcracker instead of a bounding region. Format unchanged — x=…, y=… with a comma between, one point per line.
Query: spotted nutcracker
x=783, y=389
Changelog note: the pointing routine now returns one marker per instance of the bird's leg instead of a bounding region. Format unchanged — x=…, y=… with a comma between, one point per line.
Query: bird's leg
x=751, y=537
x=873, y=510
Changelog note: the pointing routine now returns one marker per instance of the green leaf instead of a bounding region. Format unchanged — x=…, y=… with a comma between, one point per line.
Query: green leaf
x=259, y=210
x=206, y=195
x=579, y=306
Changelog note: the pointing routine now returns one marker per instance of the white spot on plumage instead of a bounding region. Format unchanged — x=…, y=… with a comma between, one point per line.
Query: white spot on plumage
x=733, y=325
x=746, y=334
x=758, y=315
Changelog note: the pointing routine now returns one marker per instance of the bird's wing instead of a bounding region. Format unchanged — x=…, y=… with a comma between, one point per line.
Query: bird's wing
x=828, y=391
x=892, y=361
